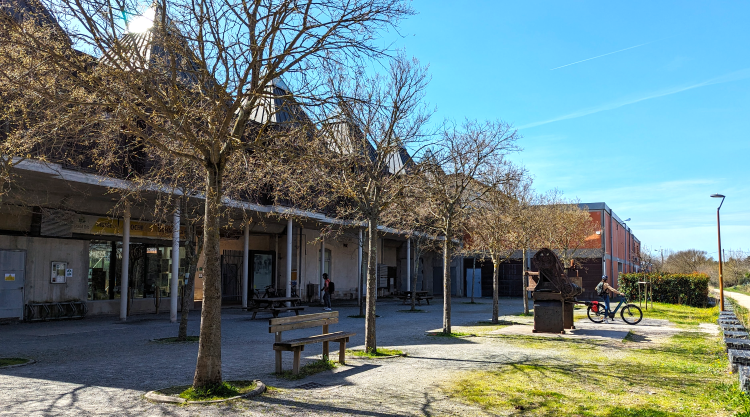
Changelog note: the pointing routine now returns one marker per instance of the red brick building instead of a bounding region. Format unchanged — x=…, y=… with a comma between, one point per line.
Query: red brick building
x=612, y=250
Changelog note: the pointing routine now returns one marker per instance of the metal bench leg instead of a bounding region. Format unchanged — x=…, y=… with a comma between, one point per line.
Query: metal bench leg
x=295, y=366
x=296, y=312
x=342, y=352
x=254, y=313
x=428, y=301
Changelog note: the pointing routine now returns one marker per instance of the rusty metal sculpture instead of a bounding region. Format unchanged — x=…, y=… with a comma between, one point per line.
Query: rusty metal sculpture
x=554, y=294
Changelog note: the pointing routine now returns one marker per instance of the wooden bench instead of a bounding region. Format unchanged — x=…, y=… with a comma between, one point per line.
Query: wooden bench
x=306, y=321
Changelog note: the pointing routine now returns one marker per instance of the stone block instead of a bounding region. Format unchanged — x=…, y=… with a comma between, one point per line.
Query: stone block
x=745, y=379
x=737, y=335
x=733, y=327
x=729, y=321
x=738, y=358
x=739, y=344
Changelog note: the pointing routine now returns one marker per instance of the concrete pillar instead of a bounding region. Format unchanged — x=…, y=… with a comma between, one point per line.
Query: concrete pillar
x=289, y=241
x=173, y=287
x=245, y=265
x=322, y=266
x=359, y=269
x=125, y=265
x=408, y=264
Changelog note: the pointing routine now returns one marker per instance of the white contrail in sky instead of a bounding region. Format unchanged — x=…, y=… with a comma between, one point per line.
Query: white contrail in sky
x=589, y=59
x=730, y=77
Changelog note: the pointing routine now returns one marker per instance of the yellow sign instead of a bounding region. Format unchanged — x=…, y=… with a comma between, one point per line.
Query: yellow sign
x=10, y=277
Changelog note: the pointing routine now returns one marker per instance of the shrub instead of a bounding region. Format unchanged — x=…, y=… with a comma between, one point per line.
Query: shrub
x=689, y=289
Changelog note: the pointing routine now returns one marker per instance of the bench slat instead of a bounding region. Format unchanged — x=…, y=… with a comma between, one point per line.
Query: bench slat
x=314, y=339
x=305, y=324
x=315, y=316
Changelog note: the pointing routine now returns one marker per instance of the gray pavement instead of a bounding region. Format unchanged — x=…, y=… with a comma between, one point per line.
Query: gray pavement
x=100, y=366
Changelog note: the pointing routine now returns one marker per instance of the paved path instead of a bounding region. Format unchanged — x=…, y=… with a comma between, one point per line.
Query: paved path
x=99, y=366
x=742, y=299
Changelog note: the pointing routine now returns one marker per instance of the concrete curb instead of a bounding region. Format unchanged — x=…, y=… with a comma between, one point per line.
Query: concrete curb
x=18, y=365
x=167, y=399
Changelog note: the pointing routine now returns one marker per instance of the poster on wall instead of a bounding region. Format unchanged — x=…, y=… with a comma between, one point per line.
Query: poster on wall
x=58, y=272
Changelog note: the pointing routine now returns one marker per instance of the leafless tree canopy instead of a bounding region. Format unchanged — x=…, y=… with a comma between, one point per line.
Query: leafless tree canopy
x=185, y=94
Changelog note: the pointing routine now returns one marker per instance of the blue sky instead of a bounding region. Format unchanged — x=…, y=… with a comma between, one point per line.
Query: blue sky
x=653, y=125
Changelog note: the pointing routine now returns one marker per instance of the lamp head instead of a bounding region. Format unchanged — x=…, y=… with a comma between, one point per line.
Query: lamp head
x=717, y=196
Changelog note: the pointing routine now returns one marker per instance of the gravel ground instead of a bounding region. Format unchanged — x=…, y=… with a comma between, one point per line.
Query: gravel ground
x=99, y=366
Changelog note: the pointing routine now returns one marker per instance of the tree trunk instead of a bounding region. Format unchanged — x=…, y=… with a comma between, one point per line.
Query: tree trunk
x=191, y=254
x=495, y=289
x=525, y=283
x=208, y=366
x=372, y=282
x=365, y=263
x=446, y=285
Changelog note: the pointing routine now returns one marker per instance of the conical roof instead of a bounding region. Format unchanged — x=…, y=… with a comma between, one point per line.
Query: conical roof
x=278, y=106
x=22, y=11
x=143, y=47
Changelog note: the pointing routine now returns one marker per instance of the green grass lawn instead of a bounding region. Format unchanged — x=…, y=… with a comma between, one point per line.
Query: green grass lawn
x=308, y=369
x=381, y=352
x=12, y=361
x=226, y=389
x=742, y=289
x=685, y=316
x=683, y=375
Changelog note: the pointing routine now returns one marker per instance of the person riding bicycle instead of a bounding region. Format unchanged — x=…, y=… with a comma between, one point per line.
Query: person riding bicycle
x=604, y=289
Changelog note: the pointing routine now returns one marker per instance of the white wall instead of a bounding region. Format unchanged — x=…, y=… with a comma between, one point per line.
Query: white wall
x=40, y=253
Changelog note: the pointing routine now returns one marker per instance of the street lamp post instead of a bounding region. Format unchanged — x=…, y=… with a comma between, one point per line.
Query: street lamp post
x=721, y=276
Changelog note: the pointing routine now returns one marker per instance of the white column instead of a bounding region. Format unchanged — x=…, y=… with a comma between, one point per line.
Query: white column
x=322, y=266
x=289, y=234
x=245, y=265
x=359, y=269
x=125, y=265
x=408, y=264
x=173, y=292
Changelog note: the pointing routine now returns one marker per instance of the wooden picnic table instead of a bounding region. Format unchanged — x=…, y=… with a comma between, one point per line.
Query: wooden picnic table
x=266, y=302
x=274, y=305
x=420, y=295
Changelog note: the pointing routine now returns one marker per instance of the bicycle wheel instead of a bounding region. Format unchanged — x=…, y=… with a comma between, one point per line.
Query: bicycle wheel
x=596, y=316
x=631, y=314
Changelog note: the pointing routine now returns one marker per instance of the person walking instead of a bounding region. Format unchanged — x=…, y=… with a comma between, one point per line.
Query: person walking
x=327, y=290
x=604, y=290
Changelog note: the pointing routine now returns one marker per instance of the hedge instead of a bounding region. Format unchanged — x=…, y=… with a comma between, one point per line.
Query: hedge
x=690, y=289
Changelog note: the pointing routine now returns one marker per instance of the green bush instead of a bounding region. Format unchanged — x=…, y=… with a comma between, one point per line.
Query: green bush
x=689, y=289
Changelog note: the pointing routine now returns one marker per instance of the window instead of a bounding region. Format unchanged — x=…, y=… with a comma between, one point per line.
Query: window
x=619, y=267
x=150, y=269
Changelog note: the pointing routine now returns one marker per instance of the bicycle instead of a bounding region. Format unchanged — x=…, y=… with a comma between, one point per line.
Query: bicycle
x=630, y=313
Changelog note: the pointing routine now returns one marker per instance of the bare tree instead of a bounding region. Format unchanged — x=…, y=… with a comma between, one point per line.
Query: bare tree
x=500, y=225
x=364, y=164
x=567, y=226
x=189, y=81
x=687, y=261
x=460, y=171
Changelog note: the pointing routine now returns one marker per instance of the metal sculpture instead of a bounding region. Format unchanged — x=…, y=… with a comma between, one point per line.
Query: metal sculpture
x=554, y=294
